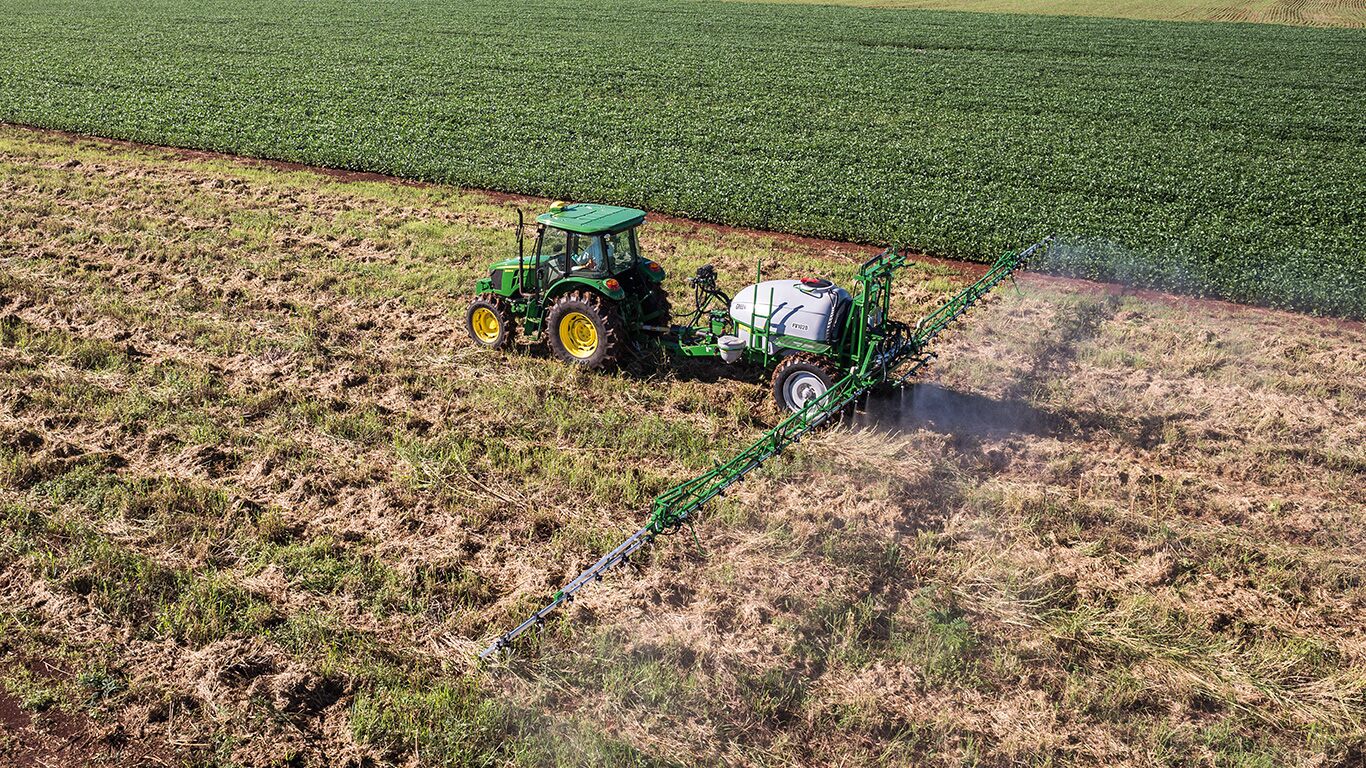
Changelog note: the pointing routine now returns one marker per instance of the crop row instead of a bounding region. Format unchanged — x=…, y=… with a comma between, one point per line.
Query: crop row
x=1211, y=158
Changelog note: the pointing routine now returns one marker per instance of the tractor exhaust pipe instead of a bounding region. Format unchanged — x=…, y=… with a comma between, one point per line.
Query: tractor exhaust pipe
x=521, y=227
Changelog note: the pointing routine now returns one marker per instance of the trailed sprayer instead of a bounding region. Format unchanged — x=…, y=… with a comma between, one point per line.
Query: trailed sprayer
x=826, y=346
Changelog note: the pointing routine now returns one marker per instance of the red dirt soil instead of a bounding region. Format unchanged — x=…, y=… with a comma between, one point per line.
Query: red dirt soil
x=57, y=739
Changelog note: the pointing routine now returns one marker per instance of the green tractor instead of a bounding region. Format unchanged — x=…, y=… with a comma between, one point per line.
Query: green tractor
x=585, y=287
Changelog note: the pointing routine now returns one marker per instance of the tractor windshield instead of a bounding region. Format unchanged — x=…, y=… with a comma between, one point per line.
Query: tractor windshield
x=586, y=255
x=553, y=243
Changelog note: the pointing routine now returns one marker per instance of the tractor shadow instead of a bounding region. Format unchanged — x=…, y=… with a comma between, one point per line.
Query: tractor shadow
x=649, y=364
x=644, y=365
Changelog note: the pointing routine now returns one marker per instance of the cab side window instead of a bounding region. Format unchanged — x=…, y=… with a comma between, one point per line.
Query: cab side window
x=621, y=247
x=553, y=241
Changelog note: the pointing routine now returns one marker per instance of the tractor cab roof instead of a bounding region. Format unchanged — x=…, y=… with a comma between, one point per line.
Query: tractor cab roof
x=592, y=219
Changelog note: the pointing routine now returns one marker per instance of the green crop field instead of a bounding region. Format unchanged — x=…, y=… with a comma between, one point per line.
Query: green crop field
x=1322, y=13
x=1208, y=158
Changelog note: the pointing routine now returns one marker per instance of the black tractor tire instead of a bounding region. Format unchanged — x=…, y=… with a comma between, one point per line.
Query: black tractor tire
x=800, y=378
x=608, y=336
x=489, y=321
x=655, y=309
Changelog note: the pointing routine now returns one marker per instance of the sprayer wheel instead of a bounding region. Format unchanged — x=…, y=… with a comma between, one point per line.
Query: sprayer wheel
x=800, y=378
x=585, y=329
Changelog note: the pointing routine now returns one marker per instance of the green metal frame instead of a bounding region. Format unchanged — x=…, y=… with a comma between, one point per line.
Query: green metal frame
x=889, y=352
x=857, y=338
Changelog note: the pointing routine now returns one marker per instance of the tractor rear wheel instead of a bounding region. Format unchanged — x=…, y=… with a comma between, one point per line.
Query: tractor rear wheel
x=489, y=321
x=655, y=309
x=585, y=329
x=801, y=378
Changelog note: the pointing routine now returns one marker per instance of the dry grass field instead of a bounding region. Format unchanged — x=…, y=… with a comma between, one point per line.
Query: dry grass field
x=1315, y=13
x=260, y=502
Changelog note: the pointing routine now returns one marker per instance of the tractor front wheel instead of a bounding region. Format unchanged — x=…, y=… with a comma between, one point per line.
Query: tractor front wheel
x=799, y=379
x=585, y=329
x=489, y=322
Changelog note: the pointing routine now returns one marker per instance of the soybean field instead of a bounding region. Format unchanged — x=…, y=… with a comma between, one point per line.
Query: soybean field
x=1214, y=159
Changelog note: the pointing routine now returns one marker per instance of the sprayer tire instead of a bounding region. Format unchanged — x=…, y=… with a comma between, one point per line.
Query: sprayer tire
x=608, y=336
x=801, y=374
x=489, y=321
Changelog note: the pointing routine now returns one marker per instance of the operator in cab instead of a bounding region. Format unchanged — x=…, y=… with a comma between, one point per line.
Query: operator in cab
x=588, y=255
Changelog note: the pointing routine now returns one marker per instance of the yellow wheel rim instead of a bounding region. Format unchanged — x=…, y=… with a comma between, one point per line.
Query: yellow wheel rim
x=485, y=324
x=578, y=335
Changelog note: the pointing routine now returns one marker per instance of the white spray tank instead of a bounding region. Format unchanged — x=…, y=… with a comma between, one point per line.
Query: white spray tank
x=805, y=309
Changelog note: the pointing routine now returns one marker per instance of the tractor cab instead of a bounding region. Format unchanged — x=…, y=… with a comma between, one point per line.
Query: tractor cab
x=590, y=241
x=584, y=287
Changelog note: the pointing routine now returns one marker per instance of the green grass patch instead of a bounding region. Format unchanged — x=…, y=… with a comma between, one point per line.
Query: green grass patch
x=126, y=586
x=452, y=723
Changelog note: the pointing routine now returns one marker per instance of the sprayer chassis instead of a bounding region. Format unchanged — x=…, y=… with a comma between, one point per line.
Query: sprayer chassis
x=863, y=331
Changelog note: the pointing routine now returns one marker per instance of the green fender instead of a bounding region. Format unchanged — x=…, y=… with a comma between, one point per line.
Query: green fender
x=654, y=276
x=595, y=285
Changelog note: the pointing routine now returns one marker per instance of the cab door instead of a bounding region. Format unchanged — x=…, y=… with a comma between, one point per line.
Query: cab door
x=552, y=257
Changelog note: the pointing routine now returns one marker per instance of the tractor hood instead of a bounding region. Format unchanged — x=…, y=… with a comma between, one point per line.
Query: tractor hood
x=512, y=263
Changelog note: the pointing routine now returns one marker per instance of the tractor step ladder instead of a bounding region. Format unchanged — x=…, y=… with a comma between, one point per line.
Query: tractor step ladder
x=759, y=339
